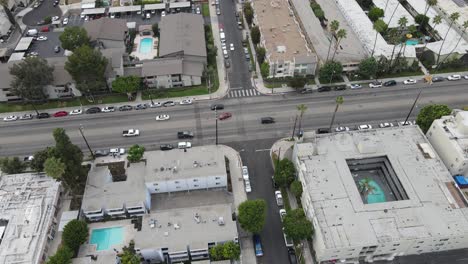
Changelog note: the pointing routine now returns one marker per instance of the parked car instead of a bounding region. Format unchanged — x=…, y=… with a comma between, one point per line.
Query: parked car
x=245, y=173
x=282, y=213
x=217, y=107
x=279, y=198
x=364, y=127
x=227, y=64
x=45, y=29
x=162, y=117
x=454, y=77
x=323, y=130
x=101, y=153
x=60, y=113
x=186, y=102
x=76, y=112
x=465, y=77
x=141, y=106
x=41, y=38
x=166, y=147
x=410, y=81
x=341, y=129
x=267, y=120
x=403, y=123
x=324, y=89
x=305, y=90
x=384, y=125
x=10, y=118
x=292, y=256
x=340, y=87
x=55, y=18
x=437, y=79
x=248, y=186
x=355, y=86
x=184, y=134
x=390, y=83
x=184, y=145
x=258, y=245
x=93, y=110
x=163, y=13
x=375, y=84
x=57, y=49
x=119, y=151
x=155, y=105
x=125, y=108
x=168, y=103
x=65, y=21
x=224, y=116
x=26, y=117
x=42, y=115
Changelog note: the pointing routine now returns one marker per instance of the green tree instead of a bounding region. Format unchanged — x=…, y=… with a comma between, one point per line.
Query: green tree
x=334, y=26
x=302, y=108
x=296, y=188
x=54, y=167
x=296, y=225
x=37, y=164
x=63, y=255
x=368, y=68
x=318, y=12
x=12, y=165
x=126, y=84
x=285, y=173
x=265, y=69
x=339, y=101
x=87, y=67
x=30, y=76
x=375, y=13
x=330, y=71
x=255, y=35
x=430, y=113
x=47, y=20
x=379, y=27
x=261, y=52
x=297, y=82
x=249, y=13
x=422, y=20
x=128, y=255
x=155, y=28
x=429, y=3
x=231, y=250
x=216, y=252
x=252, y=215
x=73, y=38
x=453, y=18
x=75, y=233
x=341, y=34
x=135, y=153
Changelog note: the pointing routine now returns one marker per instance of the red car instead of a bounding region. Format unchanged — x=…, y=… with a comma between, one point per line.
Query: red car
x=60, y=113
x=45, y=29
x=224, y=116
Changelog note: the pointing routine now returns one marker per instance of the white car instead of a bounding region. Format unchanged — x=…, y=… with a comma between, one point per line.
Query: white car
x=184, y=145
x=186, y=102
x=375, y=84
x=112, y=15
x=225, y=53
x=454, y=77
x=198, y=11
x=231, y=46
x=42, y=38
x=108, y=109
x=341, y=129
x=86, y=18
x=65, y=21
x=163, y=13
x=10, y=118
x=26, y=117
x=248, y=187
x=364, y=127
x=466, y=77
x=120, y=151
x=403, y=123
x=155, y=105
x=410, y=81
x=55, y=18
x=76, y=112
x=162, y=117
x=223, y=45
x=82, y=15
x=282, y=213
x=356, y=86
x=279, y=198
x=383, y=125
x=245, y=173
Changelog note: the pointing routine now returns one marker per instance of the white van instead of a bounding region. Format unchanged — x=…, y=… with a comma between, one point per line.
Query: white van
x=32, y=32
x=222, y=36
x=184, y=145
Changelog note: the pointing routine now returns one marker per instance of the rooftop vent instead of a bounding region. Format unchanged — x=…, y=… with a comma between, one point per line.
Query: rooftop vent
x=221, y=221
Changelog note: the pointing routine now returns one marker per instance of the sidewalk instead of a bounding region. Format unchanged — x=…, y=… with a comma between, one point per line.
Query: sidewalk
x=284, y=148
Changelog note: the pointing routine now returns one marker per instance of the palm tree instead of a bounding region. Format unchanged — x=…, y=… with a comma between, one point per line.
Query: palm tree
x=301, y=108
x=394, y=10
x=394, y=37
x=436, y=20
x=429, y=3
x=465, y=26
x=341, y=34
x=339, y=100
x=453, y=17
x=365, y=187
x=334, y=25
x=402, y=23
x=379, y=27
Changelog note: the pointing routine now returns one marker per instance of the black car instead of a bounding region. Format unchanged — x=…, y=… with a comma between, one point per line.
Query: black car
x=42, y=115
x=217, y=107
x=292, y=256
x=390, y=83
x=166, y=147
x=57, y=49
x=340, y=87
x=168, y=103
x=323, y=130
x=267, y=120
x=101, y=153
x=324, y=89
x=93, y=110
x=184, y=134
x=141, y=106
x=437, y=79
x=125, y=108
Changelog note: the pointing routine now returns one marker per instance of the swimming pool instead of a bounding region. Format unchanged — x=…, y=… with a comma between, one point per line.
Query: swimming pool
x=145, y=45
x=412, y=42
x=376, y=195
x=104, y=238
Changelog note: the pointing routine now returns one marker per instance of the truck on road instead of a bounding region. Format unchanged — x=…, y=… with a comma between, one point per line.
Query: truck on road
x=131, y=133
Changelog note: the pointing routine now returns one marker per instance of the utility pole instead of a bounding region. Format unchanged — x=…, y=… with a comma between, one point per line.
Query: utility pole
x=35, y=109
x=294, y=128
x=216, y=113
x=429, y=80
x=86, y=141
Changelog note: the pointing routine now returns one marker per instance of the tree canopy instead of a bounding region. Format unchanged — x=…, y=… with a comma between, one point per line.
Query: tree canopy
x=375, y=13
x=265, y=69
x=87, y=66
x=135, y=153
x=37, y=164
x=249, y=13
x=296, y=225
x=296, y=188
x=128, y=255
x=30, y=76
x=12, y=165
x=126, y=84
x=284, y=173
x=255, y=35
x=73, y=38
x=63, y=255
x=228, y=250
x=368, y=68
x=75, y=233
x=331, y=71
x=252, y=214
x=261, y=52
x=54, y=167
x=297, y=82
x=429, y=113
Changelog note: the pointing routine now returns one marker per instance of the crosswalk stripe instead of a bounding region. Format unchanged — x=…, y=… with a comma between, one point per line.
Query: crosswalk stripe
x=243, y=93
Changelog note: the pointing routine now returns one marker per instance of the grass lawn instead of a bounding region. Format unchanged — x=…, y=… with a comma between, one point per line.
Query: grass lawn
x=337, y=79
x=272, y=85
x=175, y=92
x=206, y=10
x=401, y=74
x=448, y=70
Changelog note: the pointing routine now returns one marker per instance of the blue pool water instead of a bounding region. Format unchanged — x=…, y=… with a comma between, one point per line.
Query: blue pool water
x=145, y=45
x=377, y=195
x=412, y=42
x=105, y=238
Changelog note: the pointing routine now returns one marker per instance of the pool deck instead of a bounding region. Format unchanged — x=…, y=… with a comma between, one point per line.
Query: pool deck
x=144, y=56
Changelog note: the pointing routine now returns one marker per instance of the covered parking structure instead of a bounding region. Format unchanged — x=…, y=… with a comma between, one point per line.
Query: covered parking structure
x=24, y=44
x=93, y=11
x=124, y=9
x=155, y=7
x=185, y=4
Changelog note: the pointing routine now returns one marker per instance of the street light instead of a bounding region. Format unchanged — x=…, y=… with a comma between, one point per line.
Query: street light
x=429, y=80
x=216, y=114
x=86, y=141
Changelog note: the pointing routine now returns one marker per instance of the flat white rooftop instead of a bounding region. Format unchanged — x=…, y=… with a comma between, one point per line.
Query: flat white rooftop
x=344, y=220
x=27, y=207
x=393, y=7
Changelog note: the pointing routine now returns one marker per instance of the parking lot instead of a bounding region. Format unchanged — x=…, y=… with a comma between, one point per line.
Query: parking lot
x=45, y=48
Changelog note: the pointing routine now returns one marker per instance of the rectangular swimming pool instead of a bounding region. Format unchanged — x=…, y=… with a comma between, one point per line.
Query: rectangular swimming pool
x=105, y=238
x=145, y=45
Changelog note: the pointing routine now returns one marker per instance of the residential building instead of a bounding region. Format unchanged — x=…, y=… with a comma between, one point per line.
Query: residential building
x=107, y=194
x=107, y=33
x=286, y=49
x=377, y=194
x=28, y=203
x=449, y=137
x=5, y=23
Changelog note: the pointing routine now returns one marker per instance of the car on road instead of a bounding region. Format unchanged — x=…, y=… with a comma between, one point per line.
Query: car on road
x=465, y=77
x=76, y=112
x=305, y=90
x=108, y=109
x=162, y=117
x=227, y=64
x=184, y=145
x=225, y=54
x=93, y=110
x=437, y=79
x=403, y=123
x=55, y=18
x=163, y=13
x=125, y=108
x=60, y=113
x=217, y=107
x=279, y=198
x=184, y=134
x=56, y=2
x=410, y=81
x=131, y=133
x=36, y=4
x=166, y=147
x=292, y=256
x=324, y=89
x=197, y=10
x=375, y=84
x=41, y=38
x=168, y=103
x=390, y=83
x=141, y=106
x=224, y=116
x=42, y=115
x=119, y=151
x=231, y=47
x=341, y=129
x=364, y=127
x=26, y=117
x=186, y=102
x=248, y=186
x=258, y=245
x=323, y=130
x=57, y=49
x=282, y=213
x=267, y=120
x=340, y=87
x=245, y=173
x=218, y=11
x=386, y=124
x=101, y=153
x=355, y=86
x=454, y=77
x=223, y=46
x=155, y=105
x=65, y=21
x=10, y=118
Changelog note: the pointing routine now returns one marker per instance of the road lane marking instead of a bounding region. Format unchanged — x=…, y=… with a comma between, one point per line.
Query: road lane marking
x=259, y=150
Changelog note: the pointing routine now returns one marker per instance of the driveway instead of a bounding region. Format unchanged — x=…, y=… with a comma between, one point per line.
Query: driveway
x=37, y=14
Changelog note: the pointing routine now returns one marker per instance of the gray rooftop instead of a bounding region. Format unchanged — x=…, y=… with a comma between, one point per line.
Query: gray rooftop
x=336, y=204
x=24, y=44
x=182, y=33
x=106, y=28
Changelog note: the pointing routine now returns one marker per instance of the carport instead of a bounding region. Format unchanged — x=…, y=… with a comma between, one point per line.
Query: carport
x=155, y=7
x=24, y=44
x=179, y=4
x=17, y=56
x=93, y=11
x=124, y=9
